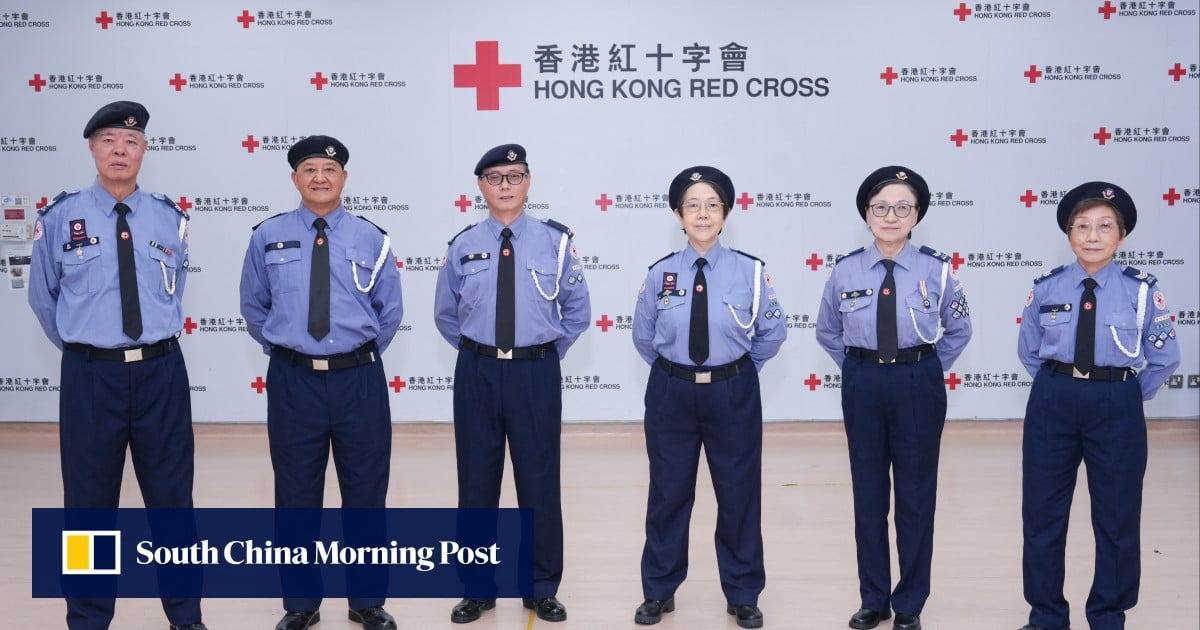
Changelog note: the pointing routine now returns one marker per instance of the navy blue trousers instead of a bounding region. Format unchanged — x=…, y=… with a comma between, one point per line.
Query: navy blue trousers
x=309, y=413
x=894, y=416
x=518, y=401
x=1069, y=420
x=106, y=407
x=725, y=418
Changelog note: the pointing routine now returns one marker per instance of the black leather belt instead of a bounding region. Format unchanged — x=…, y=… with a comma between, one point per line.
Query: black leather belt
x=126, y=355
x=1111, y=374
x=528, y=352
x=904, y=355
x=363, y=355
x=702, y=374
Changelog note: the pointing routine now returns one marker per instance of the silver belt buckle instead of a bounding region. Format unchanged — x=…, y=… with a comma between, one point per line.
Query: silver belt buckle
x=321, y=365
x=703, y=377
x=503, y=354
x=1077, y=374
x=133, y=354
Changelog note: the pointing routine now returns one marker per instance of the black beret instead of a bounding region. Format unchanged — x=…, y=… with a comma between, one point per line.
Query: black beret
x=894, y=175
x=318, y=146
x=696, y=174
x=121, y=115
x=1110, y=194
x=503, y=154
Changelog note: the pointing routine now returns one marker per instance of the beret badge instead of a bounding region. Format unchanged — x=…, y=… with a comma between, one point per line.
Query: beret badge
x=696, y=176
x=1108, y=193
x=330, y=151
x=131, y=122
x=901, y=176
x=512, y=155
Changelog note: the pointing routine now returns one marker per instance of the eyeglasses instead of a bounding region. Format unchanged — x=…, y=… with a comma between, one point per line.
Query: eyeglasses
x=1105, y=227
x=514, y=178
x=712, y=207
x=902, y=209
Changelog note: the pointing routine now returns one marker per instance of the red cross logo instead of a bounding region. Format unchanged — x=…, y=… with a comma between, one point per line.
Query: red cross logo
x=103, y=20
x=956, y=260
x=178, y=82
x=1029, y=198
x=812, y=381
x=37, y=83
x=399, y=263
x=251, y=144
x=245, y=18
x=604, y=202
x=604, y=322
x=1032, y=73
x=189, y=326
x=1087, y=306
x=958, y=138
x=1171, y=197
x=397, y=384
x=184, y=204
x=463, y=203
x=962, y=12
x=487, y=75
x=814, y=261
x=1018, y=320
x=258, y=385
x=1177, y=72
x=888, y=75
x=953, y=381
x=319, y=81
x=45, y=202
x=1102, y=135
x=1107, y=9
x=505, y=252
x=745, y=201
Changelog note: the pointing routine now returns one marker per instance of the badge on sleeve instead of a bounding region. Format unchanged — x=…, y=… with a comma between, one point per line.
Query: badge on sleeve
x=1029, y=299
x=1160, y=302
x=37, y=230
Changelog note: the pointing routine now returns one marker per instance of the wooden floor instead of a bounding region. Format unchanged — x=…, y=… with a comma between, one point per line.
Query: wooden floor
x=807, y=523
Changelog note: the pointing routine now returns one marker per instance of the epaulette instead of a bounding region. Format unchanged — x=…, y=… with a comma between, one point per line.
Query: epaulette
x=929, y=251
x=750, y=256
x=381, y=230
x=1141, y=276
x=265, y=220
x=558, y=226
x=170, y=201
x=460, y=233
x=849, y=254
x=55, y=200
x=661, y=259
x=1053, y=271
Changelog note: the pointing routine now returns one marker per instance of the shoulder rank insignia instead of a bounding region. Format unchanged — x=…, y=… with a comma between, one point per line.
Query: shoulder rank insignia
x=750, y=256
x=560, y=227
x=1052, y=272
x=1142, y=276
x=929, y=251
x=661, y=259
x=460, y=233
x=170, y=201
x=57, y=197
x=265, y=220
x=849, y=254
x=381, y=230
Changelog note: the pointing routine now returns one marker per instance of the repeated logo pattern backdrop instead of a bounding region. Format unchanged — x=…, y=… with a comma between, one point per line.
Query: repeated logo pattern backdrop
x=1003, y=107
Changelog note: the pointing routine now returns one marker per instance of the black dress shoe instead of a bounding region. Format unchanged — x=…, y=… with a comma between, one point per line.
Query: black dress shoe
x=651, y=611
x=373, y=618
x=865, y=618
x=299, y=620
x=907, y=622
x=747, y=616
x=547, y=608
x=190, y=626
x=469, y=610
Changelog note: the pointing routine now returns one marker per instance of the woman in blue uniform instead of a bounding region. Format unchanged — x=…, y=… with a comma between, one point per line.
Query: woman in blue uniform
x=894, y=317
x=706, y=321
x=1087, y=330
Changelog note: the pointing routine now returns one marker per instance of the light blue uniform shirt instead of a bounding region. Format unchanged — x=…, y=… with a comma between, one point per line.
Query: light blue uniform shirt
x=663, y=314
x=74, y=287
x=275, y=281
x=847, y=314
x=1051, y=315
x=552, y=301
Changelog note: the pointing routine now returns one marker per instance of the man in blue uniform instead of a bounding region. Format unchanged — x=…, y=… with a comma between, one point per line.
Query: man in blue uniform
x=1098, y=339
x=109, y=269
x=511, y=298
x=321, y=294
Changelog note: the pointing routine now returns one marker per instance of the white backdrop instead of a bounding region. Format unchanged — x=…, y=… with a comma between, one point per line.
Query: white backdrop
x=1002, y=107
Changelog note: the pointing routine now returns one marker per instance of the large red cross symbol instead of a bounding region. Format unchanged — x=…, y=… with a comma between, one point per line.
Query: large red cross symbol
x=888, y=75
x=184, y=204
x=463, y=203
x=745, y=201
x=258, y=385
x=962, y=12
x=953, y=381
x=1107, y=9
x=189, y=326
x=43, y=203
x=1102, y=135
x=1029, y=198
x=250, y=143
x=814, y=261
x=1032, y=73
x=958, y=138
x=1171, y=197
x=487, y=75
x=245, y=18
x=178, y=82
x=956, y=260
x=1177, y=72
x=604, y=322
x=319, y=81
x=37, y=83
x=397, y=384
x=812, y=381
x=604, y=202
x=104, y=20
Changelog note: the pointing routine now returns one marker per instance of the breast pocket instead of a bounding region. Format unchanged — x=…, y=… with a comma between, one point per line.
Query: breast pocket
x=1058, y=331
x=286, y=270
x=858, y=316
x=741, y=306
x=543, y=271
x=81, y=270
x=360, y=266
x=165, y=267
x=1125, y=325
x=924, y=314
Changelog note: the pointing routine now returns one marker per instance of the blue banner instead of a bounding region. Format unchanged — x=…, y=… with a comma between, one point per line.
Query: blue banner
x=261, y=552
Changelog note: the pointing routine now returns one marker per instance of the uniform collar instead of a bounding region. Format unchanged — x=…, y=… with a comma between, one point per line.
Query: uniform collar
x=517, y=226
x=332, y=219
x=904, y=258
x=1102, y=277
x=714, y=255
x=107, y=202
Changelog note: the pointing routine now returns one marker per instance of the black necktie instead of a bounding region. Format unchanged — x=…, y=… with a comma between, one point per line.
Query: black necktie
x=506, y=292
x=698, y=332
x=131, y=310
x=318, y=284
x=1085, y=331
x=885, y=316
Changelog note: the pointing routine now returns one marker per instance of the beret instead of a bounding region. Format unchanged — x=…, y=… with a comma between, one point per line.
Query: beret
x=898, y=175
x=121, y=115
x=1110, y=194
x=696, y=174
x=318, y=146
x=503, y=154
